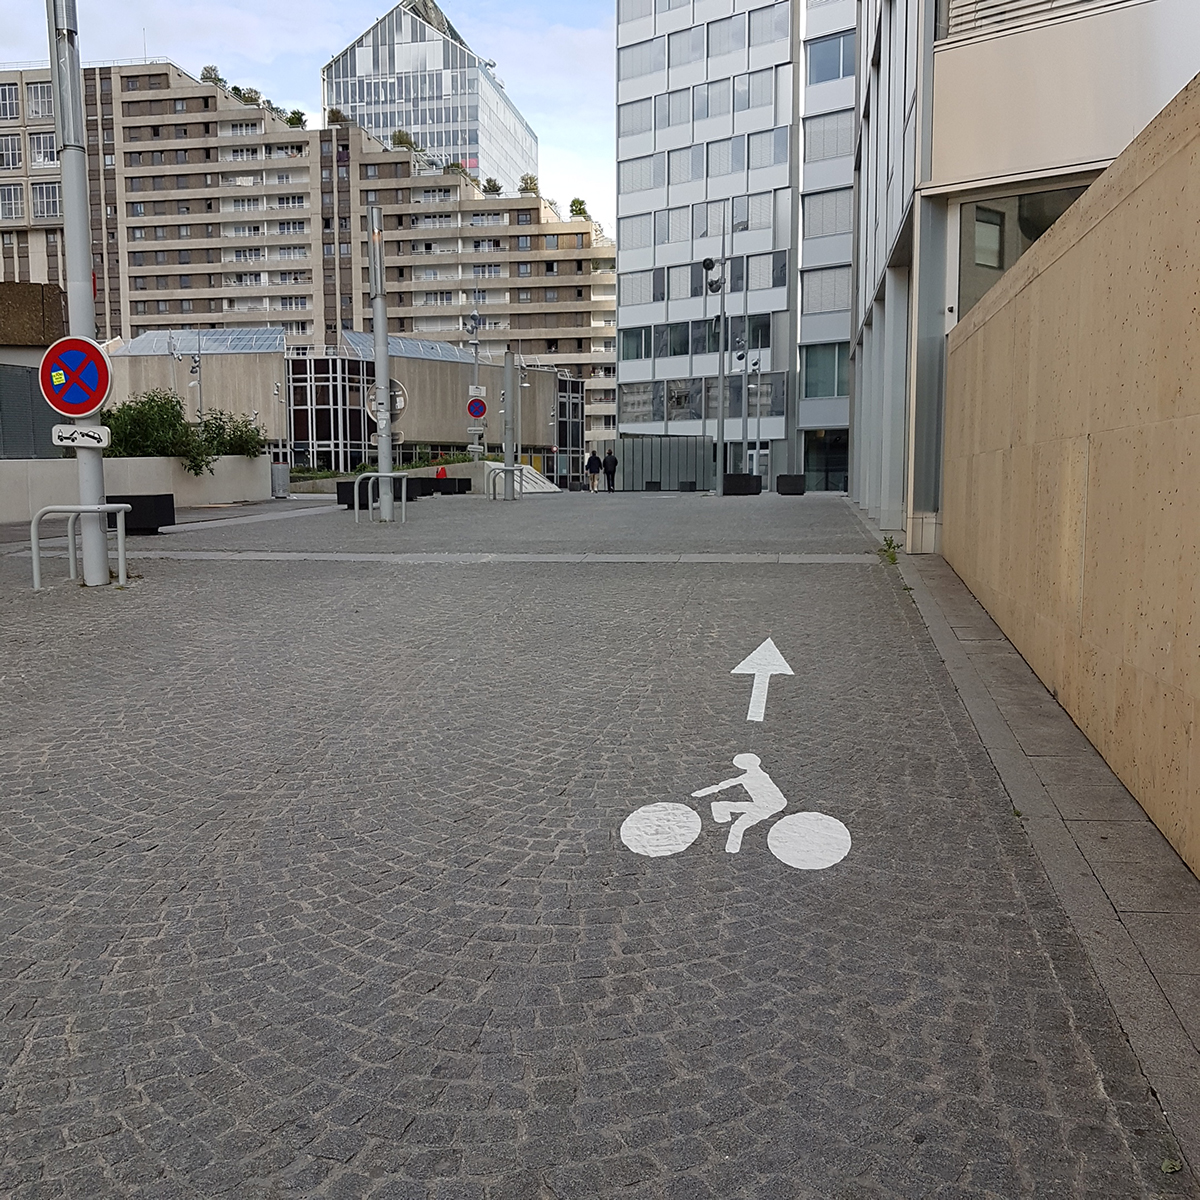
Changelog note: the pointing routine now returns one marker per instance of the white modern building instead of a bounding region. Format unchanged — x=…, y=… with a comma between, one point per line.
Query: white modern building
x=728, y=116
x=413, y=71
x=979, y=123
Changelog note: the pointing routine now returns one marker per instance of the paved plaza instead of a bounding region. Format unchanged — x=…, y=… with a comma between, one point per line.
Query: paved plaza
x=313, y=879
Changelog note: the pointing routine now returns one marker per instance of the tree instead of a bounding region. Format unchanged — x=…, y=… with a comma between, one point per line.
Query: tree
x=401, y=137
x=296, y=119
x=246, y=95
x=579, y=207
x=491, y=187
x=210, y=74
x=529, y=183
x=337, y=117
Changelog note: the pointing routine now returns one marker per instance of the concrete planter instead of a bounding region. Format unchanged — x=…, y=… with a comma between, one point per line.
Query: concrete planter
x=27, y=484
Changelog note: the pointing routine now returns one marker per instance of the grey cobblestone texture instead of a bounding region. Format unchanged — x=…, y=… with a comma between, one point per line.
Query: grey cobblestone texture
x=274, y=927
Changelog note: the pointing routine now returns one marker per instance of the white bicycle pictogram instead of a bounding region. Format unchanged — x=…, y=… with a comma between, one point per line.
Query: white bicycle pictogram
x=808, y=841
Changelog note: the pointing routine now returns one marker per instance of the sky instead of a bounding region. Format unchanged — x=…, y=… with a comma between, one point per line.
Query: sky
x=556, y=60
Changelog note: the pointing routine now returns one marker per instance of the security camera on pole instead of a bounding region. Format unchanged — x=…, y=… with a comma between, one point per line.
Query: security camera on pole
x=718, y=285
x=383, y=369
x=63, y=29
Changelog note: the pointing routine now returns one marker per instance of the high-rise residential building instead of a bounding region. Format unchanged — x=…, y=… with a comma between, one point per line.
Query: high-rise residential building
x=979, y=124
x=208, y=213
x=203, y=210
x=714, y=163
x=413, y=71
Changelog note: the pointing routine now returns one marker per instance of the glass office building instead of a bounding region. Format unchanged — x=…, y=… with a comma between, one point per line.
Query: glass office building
x=734, y=143
x=412, y=71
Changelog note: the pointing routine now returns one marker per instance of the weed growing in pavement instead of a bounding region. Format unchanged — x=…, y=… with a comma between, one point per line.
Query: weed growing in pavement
x=888, y=550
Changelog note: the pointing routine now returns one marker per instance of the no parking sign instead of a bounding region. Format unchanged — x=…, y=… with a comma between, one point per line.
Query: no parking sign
x=75, y=376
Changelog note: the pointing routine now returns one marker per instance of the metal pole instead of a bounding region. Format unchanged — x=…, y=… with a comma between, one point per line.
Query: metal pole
x=474, y=344
x=510, y=401
x=383, y=369
x=724, y=280
x=758, y=416
x=745, y=377
x=63, y=31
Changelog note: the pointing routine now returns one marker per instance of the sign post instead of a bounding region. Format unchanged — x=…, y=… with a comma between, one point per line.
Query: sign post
x=67, y=78
x=383, y=371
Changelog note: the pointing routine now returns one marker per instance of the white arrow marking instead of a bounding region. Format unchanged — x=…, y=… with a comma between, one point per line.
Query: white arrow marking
x=762, y=664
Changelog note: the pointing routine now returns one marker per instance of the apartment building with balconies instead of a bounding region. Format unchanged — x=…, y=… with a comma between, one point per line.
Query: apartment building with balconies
x=202, y=206
x=208, y=213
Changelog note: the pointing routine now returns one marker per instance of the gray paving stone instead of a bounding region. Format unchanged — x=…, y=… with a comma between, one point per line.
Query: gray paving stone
x=294, y=931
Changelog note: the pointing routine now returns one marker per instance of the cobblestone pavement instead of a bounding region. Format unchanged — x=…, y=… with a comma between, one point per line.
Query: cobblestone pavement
x=311, y=882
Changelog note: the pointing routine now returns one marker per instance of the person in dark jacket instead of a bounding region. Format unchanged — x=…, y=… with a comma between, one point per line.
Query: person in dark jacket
x=610, y=470
x=593, y=470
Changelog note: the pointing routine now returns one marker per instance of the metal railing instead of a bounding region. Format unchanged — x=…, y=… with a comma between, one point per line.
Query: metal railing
x=72, y=513
x=498, y=472
x=373, y=501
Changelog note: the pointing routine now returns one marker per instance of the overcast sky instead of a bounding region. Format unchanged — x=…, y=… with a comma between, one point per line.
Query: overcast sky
x=556, y=60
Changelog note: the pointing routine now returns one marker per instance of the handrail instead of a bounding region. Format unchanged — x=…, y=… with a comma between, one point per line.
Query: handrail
x=72, y=513
x=371, y=503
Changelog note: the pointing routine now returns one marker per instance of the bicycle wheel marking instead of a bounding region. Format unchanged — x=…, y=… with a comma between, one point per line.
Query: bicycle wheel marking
x=657, y=830
x=809, y=841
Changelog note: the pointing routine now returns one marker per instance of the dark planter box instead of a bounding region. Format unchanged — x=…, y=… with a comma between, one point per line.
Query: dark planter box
x=789, y=485
x=149, y=513
x=464, y=486
x=575, y=486
x=687, y=485
x=423, y=485
x=652, y=485
x=743, y=485
x=447, y=487
x=345, y=491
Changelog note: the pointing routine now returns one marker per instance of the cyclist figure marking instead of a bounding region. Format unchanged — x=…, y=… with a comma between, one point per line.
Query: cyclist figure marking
x=765, y=799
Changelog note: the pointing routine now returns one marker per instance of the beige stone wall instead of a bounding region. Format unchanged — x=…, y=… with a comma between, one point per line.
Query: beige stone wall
x=1072, y=464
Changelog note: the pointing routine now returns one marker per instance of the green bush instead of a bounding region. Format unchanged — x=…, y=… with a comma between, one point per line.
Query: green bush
x=153, y=425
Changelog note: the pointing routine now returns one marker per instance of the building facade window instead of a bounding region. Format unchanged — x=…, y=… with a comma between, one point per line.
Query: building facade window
x=670, y=225
x=755, y=211
x=10, y=152
x=10, y=103
x=12, y=202
x=825, y=290
x=831, y=58
x=830, y=135
x=727, y=35
x=826, y=370
x=636, y=232
x=635, y=343
x=641, y=174
x=45, y=201
x=768, y=148
x=642, y=58
x=636, y=287
x=770, y=24
x=828, y=213
x=685, y=46
x=634, y=118
x=687, y=164
x=755, y=90
x=39, y=101
x=726, y=157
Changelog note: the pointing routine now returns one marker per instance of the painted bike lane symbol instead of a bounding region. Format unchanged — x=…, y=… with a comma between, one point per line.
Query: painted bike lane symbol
x=808, y=841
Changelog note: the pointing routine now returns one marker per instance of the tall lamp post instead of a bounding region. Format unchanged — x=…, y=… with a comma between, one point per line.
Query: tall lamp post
x=714, y=286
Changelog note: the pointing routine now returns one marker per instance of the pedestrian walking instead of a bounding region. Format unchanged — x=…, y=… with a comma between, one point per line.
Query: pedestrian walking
x=593, y=470
x=610, y=470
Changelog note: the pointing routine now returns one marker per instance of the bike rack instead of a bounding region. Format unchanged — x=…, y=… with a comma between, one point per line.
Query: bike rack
x=498, y=472
x=377, y=475
x=72, y=512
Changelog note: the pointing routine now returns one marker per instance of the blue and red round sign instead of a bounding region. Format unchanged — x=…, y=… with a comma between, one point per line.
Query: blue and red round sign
x=75, y=376
x=476, y=408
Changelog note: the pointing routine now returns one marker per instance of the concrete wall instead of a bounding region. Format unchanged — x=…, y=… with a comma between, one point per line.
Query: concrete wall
x=1072, y=453
x=29, y=484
